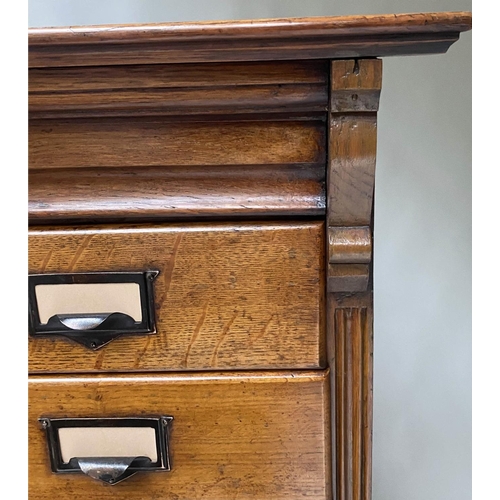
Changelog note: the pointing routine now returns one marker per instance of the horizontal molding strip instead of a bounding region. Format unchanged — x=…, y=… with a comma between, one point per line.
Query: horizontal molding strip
x=179, y=90
x=152, y=193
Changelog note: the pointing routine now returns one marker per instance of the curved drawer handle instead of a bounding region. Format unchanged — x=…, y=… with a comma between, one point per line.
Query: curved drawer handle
x=103, y=321
x=80, y=322
x=108, y=449
x=110, y=470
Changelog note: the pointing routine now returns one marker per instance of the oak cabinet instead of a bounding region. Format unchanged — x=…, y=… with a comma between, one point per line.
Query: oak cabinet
x=200, y=255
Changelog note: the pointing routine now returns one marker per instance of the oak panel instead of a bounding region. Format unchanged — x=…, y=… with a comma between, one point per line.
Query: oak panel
x=110, y=142
x=227, y=296
x=257, y=436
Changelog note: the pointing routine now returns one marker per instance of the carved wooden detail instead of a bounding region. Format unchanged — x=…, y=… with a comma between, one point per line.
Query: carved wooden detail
x=353, y=402
x=348, y=277
x=199, y=150
x=353, y=140
x=157, y=193
x=349, y=245
x=355, y=92
x=354, y=97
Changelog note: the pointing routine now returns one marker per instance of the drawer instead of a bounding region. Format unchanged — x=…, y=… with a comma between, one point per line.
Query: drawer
x=227, y=296
x=242, y=434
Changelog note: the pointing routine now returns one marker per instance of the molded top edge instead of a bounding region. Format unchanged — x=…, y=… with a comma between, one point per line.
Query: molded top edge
x=255, y=40
x=272, y=28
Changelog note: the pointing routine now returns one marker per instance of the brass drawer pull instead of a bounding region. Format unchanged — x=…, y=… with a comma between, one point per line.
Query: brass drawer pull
x=108, y=449
x=92, y=308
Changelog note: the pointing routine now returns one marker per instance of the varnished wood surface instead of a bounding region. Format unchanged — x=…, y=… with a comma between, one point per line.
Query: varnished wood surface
x=350, y=258
x=352, y=146
x=350, y=354
x=350, y=245
x=179, y=89
x=112, y=142
x=228, y=296
x=355, y=91
x=353, y=141
x=149, y=193
x=355, y=86
x=271, y=39
x=162, y=121
x=348, y=277
x=256, y=436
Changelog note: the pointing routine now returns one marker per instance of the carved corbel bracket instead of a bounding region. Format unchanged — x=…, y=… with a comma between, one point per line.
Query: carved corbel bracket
x=354, y=98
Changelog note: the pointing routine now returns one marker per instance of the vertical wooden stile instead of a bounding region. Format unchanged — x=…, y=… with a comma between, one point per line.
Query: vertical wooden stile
x=354, y=95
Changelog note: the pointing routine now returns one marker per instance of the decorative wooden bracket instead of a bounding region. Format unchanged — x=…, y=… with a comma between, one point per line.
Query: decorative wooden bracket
x=354, y=97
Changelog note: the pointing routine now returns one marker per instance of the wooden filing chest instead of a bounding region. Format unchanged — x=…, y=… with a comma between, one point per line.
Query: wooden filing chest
x=222, y=174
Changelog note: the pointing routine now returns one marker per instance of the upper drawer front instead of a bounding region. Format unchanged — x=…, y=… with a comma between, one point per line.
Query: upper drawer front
x=227, y=296
x=233, y=435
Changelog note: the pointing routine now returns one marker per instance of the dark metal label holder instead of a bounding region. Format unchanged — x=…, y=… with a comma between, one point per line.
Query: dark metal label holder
x=94, y=330
x=110, y=470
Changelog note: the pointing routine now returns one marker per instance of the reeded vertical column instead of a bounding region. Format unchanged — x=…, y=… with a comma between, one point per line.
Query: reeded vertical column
x=353, y=400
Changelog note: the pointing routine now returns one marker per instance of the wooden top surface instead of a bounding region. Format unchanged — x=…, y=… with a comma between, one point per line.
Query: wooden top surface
x=215, y=41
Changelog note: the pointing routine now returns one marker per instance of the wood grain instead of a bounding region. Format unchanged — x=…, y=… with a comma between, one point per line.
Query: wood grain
x=351, y=354
x=250, y=435
x=352, y=245
x=348, y=277
x=179, y=89
x=258, y=40
x=355, y=92
x=219, y=120
x=352, y=143
x=353, y=140
x=140, y=142
x=228, y=296
x=152, y=193
x=177, y=76
x=355, y=86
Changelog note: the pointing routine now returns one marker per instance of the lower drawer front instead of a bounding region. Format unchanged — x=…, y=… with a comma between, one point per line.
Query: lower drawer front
x=233, y=435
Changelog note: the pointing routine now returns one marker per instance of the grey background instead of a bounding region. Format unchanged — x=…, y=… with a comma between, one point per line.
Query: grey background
x=422, y=357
